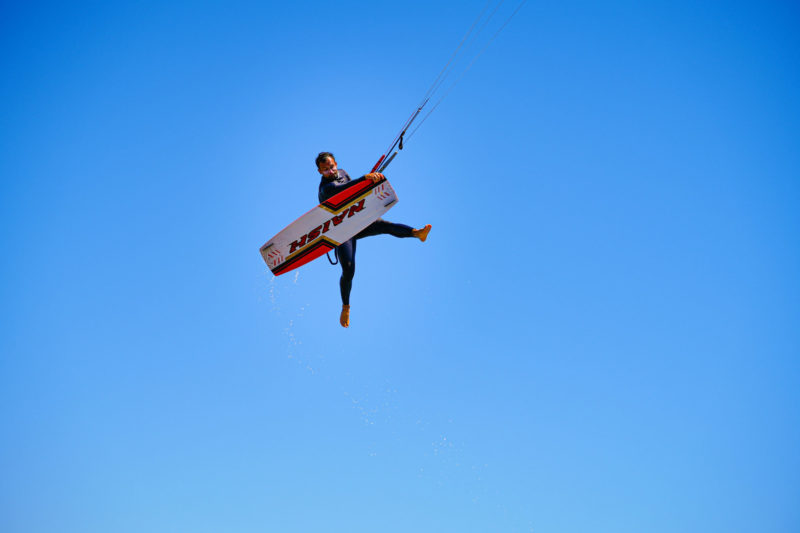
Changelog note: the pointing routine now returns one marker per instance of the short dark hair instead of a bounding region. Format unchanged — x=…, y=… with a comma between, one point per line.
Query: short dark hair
x=321, y=157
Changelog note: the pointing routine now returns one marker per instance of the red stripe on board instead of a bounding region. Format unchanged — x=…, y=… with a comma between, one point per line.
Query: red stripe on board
x=339, y=200
x=320, y=247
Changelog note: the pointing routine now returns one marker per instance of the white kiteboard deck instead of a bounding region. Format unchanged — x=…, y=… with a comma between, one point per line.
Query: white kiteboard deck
x=334, y=221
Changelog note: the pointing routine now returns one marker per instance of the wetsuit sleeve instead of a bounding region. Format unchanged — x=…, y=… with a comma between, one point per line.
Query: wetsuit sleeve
x=329, y=189
x=326, y=190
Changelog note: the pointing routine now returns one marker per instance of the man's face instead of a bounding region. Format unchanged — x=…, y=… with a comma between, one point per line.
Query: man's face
x=327, y=167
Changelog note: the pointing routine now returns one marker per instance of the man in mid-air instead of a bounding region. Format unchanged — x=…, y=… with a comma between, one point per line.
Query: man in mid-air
x=334, y=180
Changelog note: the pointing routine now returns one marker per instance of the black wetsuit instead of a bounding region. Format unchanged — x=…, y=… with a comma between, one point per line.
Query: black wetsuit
x=347, y=250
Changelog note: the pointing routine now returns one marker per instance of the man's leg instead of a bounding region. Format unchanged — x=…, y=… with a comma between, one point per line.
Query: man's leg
x=347, y=258
x=383, y=227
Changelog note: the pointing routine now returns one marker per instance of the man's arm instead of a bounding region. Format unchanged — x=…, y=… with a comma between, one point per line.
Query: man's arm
x=330, y=189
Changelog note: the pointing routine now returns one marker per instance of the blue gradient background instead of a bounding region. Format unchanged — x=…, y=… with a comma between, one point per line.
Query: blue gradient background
x=601, y=333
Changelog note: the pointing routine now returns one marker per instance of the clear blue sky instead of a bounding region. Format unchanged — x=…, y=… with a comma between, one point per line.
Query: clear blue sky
x=601, y=333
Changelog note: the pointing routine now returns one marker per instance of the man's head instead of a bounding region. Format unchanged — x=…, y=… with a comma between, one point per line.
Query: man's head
x=326, y=164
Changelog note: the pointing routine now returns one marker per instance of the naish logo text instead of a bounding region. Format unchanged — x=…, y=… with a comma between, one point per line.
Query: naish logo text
x=319, y=230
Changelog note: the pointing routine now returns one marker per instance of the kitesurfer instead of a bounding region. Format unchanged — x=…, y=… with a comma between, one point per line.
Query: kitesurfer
x=334, y=180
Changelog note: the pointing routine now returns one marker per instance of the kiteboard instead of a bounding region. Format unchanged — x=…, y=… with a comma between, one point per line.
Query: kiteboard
x=334, y=221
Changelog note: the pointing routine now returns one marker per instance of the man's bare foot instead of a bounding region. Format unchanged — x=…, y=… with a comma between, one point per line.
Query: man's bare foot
x=422, y=234
x=344, y=318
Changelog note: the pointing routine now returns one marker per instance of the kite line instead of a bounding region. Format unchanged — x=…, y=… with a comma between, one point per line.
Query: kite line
x=397, y=142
